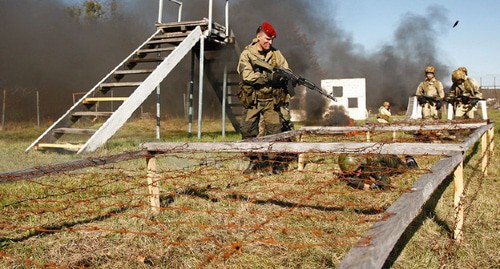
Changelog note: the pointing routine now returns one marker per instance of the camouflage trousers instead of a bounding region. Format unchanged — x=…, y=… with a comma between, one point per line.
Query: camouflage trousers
x=462, y=110
x=264, y=113
x=429, y=111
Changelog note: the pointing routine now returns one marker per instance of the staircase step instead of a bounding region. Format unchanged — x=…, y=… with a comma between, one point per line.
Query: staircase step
x=120, y=84
x=192, y=24
x=91, y=114
x=172, y=34
x=147, y=60
x=155, y=50
x=65, y=146
x=133, y=72
x=166, y=40
x=93, y=100
x=74, y=131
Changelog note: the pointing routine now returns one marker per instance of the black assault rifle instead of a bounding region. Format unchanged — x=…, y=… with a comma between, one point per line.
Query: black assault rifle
x=423, y=99
x=466, y=100
x=295, y=79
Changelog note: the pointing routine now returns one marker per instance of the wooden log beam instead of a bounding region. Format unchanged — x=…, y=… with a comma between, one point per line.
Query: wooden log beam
x=306, y=147
x=392, y=127
x=375, y=245
x=484, y=153
x=467, y=143
x=69, y=166
x=153, y=184
x=458, y=199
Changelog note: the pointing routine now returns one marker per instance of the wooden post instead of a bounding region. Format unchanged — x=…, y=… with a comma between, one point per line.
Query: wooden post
x=153, y=184
x=484, y=153
x=458, y=179
x=368, y=136
x=491, y=136
x=300, y=161
x=394, y=135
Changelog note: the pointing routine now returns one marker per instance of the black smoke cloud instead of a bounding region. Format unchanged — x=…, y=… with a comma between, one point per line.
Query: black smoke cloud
x=44, y=49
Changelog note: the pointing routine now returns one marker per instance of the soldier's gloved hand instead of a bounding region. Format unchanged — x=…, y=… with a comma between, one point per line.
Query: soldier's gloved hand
x=277, y=79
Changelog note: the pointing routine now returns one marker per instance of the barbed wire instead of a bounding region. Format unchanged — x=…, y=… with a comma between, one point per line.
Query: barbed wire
x=209, y=209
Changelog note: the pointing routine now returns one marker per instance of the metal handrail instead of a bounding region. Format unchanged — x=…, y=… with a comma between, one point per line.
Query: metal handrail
x=160, y=10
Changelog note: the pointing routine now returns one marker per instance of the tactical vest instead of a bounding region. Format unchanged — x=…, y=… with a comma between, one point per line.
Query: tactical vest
x=430, y=89
x=468, y=88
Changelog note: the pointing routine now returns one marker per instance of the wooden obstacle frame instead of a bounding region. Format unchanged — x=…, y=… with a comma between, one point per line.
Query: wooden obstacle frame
x=376, y=244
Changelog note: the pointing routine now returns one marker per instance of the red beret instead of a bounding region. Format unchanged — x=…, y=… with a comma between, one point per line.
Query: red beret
x=268, y=29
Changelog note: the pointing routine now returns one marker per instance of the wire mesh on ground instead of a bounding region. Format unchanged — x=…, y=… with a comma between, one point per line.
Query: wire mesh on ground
x=209, y=209
x=211, y=214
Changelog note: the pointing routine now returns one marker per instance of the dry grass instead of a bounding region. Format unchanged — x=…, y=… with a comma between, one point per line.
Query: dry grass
x=213, y=216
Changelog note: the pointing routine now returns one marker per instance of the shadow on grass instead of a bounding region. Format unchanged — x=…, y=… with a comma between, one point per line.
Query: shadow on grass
x=51, y=229
x=428, y=212
x=202, y=193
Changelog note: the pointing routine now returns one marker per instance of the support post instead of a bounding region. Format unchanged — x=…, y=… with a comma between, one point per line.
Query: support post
x=458, y=179
x=224, y=97
x=210, y=18
x=301, y=158
x=484, y=153
x=200, y=83
x=158, y=113
x=491, y=136
x=153, y=184
x=3, y=108
x=368, y=136
x=190, y=97
x=160, y=11
x=37, y=109
x=394, y=136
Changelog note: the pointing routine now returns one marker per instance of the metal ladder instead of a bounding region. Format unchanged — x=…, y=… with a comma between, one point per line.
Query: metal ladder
x=128, y=84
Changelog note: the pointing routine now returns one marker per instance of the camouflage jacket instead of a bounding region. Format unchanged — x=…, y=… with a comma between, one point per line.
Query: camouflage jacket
x=467, y=88
x=384, y=113
x=432, y=88
x=255, y=76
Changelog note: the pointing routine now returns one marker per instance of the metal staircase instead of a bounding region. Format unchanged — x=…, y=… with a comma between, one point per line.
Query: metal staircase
x=229, y=100
x=128, y=85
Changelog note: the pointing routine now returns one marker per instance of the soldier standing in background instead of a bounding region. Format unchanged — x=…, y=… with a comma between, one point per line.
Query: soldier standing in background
x=262, y=93
x=462, y=93
x=430, y=94
x=384, y=113
x=471, y=80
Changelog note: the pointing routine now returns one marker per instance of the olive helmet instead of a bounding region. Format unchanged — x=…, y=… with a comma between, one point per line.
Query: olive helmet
x=463, y=69
x=457, y=75
x=386, y=103
x=430, y=69
x=349, y=163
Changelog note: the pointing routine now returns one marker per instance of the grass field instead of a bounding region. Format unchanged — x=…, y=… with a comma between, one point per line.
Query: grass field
x=214, y=217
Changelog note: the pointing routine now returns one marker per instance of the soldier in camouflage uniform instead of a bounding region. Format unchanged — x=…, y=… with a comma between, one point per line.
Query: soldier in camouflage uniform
x=384, y=113
x=463, y=86
x=262, y=92
x=432, y=90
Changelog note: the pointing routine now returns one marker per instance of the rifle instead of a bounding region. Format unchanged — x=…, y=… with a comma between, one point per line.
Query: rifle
x=465, y=100
x=423, y=99
x=295, y=79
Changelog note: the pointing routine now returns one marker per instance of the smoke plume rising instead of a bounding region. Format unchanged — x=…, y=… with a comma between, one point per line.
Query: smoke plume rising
x=45, y=49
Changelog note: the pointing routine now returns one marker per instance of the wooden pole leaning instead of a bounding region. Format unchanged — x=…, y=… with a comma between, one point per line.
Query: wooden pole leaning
x=484, y=153
x=491, y=136
x=458, y=179
x=153, y=184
